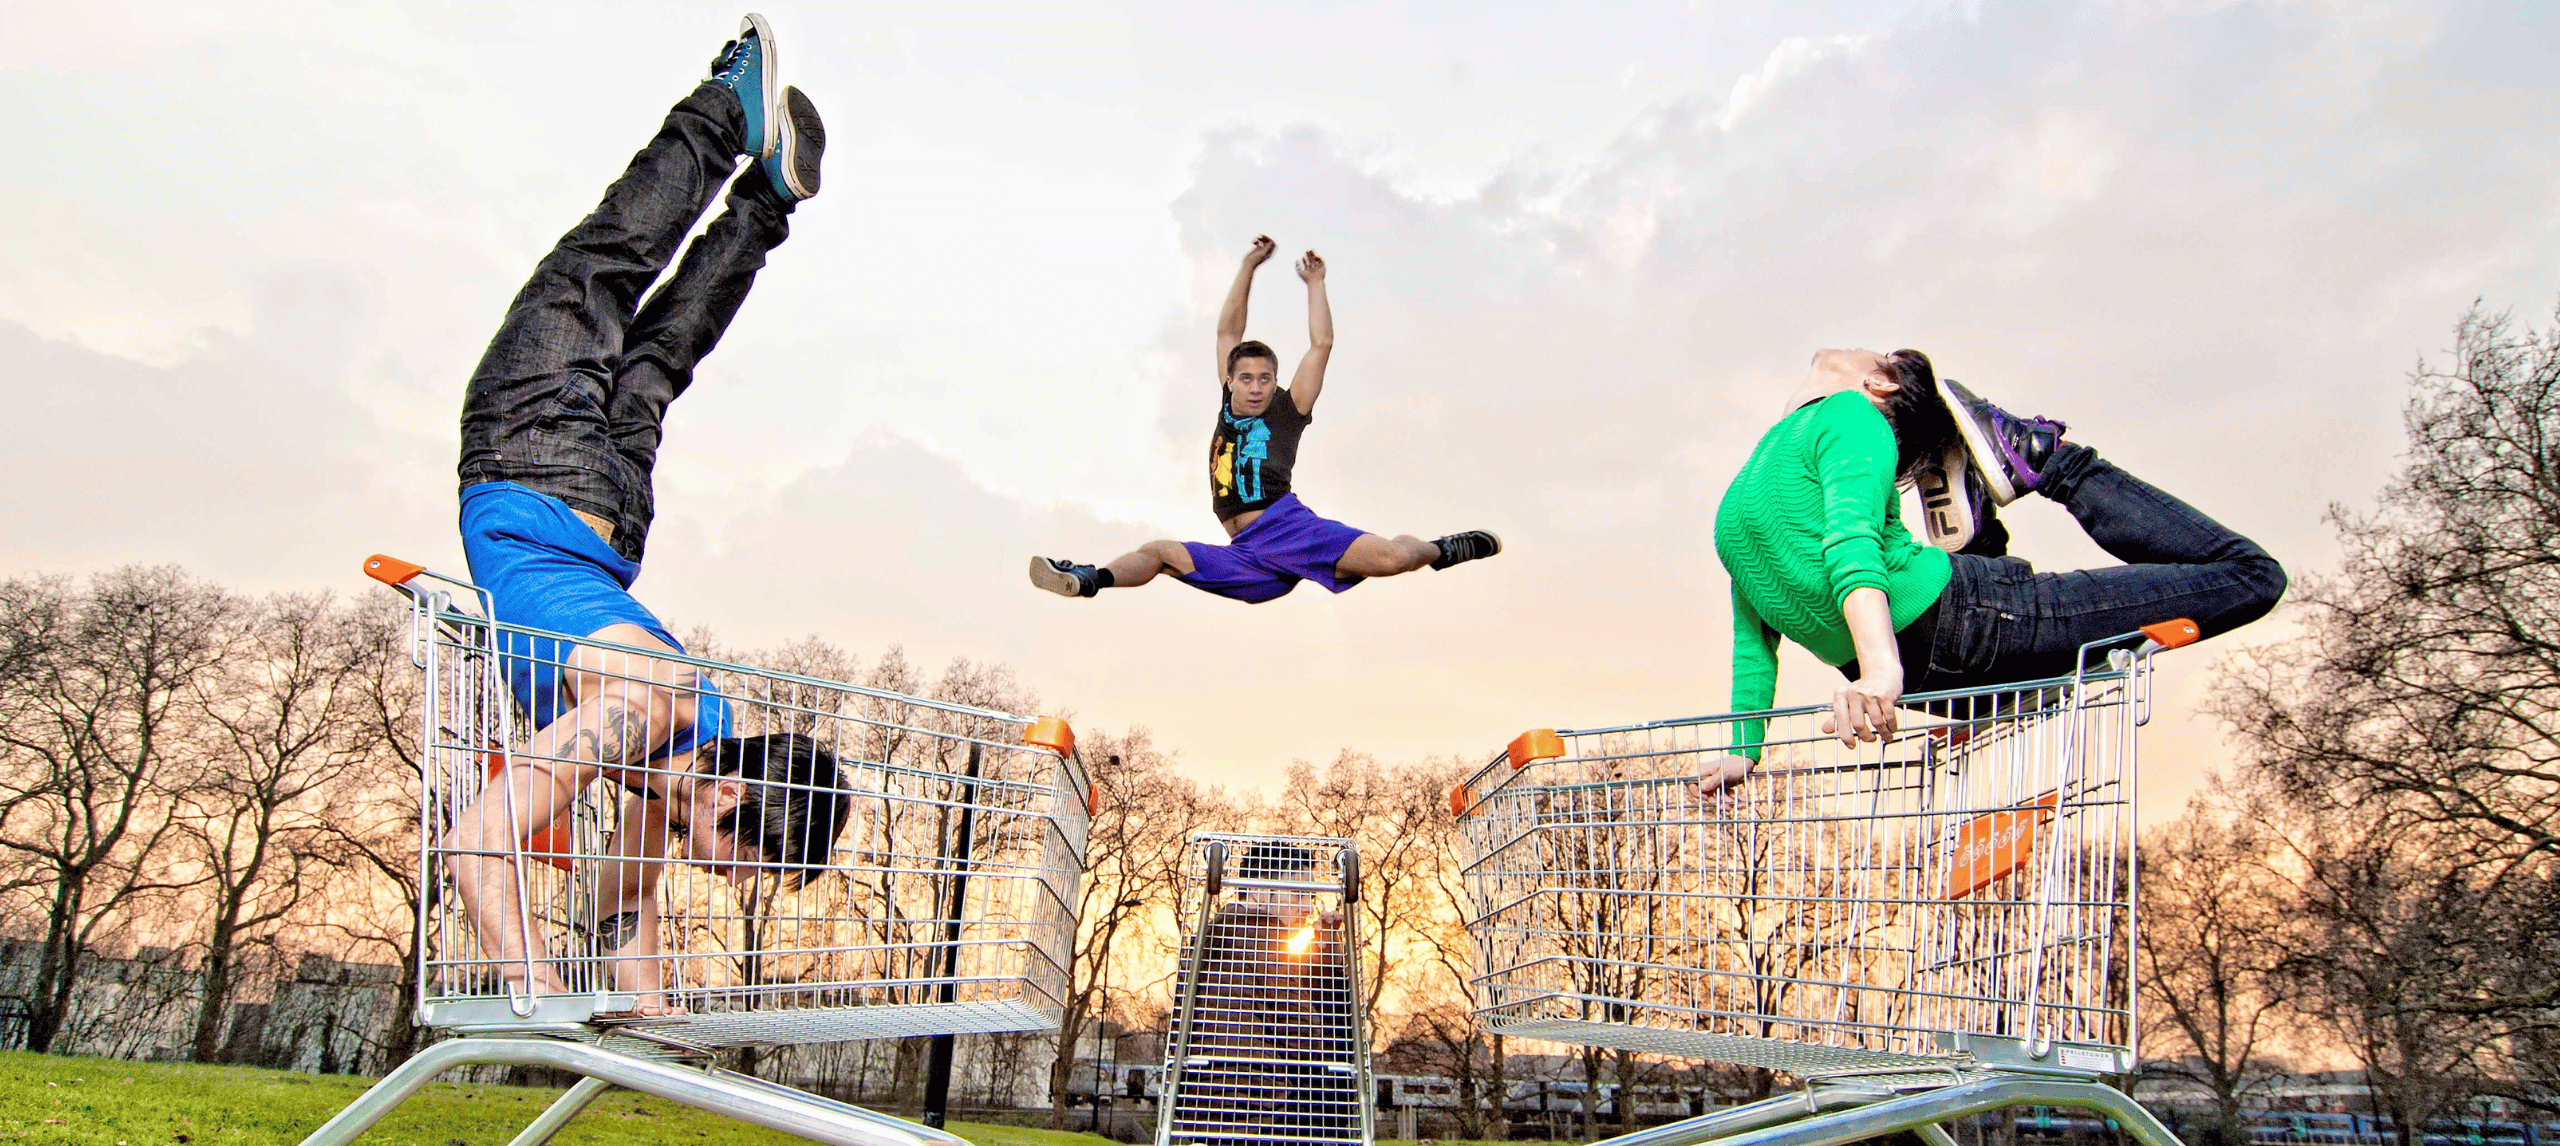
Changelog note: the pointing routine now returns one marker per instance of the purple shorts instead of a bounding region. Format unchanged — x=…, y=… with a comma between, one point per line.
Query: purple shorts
x=1284, y=546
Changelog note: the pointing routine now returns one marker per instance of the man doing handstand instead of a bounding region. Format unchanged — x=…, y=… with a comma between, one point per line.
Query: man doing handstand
x=560, y=430
x=1275, y=541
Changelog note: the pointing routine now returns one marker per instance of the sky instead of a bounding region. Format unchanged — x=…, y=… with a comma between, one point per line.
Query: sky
x=1579, y=254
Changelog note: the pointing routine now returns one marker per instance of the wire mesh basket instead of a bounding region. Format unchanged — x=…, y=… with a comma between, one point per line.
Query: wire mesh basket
x=774, y=859
x=1960, y=893
x=1266, y=1041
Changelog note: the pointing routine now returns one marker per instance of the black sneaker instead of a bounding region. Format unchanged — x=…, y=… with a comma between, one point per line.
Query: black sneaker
x=2009, y=452
x=1063, y=578
x=1469, y=546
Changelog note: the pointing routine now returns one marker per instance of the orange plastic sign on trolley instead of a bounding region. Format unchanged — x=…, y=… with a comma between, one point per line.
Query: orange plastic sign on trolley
x=1992, y=845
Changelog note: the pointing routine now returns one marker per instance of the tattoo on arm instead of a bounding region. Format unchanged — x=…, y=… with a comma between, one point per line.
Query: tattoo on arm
x=583, y=745
x=617, y=930
x=624, y=730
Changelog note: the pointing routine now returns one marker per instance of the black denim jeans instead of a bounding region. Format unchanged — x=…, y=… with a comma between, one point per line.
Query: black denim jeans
x=571, y=396
x=2000, y=622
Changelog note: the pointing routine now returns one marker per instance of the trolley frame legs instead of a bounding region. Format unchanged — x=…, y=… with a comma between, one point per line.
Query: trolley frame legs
x=1800, y=1119
x=559, y=1113
x=736, y=1096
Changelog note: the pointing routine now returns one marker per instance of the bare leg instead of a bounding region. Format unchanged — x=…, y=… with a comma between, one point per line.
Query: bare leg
x=626, y=707
x=1140, y=565
x=1373, y=556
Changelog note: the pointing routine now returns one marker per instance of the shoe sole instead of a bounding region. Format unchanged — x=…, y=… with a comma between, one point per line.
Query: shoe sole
x=1053, y=579
x=1943, y=508
x=803, y=140
x=1986, y=454
x=769, y=75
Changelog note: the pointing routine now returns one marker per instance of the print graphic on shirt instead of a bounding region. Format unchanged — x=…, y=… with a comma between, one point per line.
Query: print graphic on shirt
x=1236, y=466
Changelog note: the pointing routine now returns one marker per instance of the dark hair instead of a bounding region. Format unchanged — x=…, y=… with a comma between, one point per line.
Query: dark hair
x=1271, y=859
x=1249, y=348
x=1922, y=428
x=794, y=807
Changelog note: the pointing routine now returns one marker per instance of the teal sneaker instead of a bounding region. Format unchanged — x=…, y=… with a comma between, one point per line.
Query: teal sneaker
x=747, y=67
x=799, y=140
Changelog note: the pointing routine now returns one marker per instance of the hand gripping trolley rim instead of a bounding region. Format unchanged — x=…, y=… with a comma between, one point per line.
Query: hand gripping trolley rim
x=661, y=916
x=1923, y=929
x=1267, y=1042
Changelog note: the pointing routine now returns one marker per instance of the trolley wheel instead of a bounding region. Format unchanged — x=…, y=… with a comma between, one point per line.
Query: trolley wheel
x=1216, y=854
x=1350, y=876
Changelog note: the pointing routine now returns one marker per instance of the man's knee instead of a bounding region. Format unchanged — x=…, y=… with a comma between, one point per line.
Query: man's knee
x=1173, y=555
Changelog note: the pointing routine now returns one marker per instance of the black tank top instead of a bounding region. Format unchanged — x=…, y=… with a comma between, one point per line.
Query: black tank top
x=1250, y=457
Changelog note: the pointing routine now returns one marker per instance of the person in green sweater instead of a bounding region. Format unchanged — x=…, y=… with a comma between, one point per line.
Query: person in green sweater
x=1811, y=534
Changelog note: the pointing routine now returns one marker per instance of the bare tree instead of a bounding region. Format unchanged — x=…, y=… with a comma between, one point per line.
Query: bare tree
x=2211, y=952
x=1443, y=1039
x=92, y=708
x=2392, y=933
x=372, y=828
x=285, y=724
x=1132, y=874
x=2421, y=703
x=1392, y=812
x=1451, y=966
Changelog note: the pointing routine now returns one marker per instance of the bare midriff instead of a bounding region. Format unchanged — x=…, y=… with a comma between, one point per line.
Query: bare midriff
x=1240, y=522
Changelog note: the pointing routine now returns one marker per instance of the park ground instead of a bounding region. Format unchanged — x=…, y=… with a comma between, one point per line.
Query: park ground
x=50, y=1099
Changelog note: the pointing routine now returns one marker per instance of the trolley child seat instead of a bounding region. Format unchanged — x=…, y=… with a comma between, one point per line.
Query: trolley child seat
x=1949, y=912
x=1267, y=1043
x=944, y=906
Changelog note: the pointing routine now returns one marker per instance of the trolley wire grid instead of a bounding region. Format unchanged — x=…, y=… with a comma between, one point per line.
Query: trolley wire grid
x=1266, y=1041
x=738, y=856
x=1958, y=895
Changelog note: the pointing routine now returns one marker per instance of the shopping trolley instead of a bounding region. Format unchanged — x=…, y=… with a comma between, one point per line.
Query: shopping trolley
x=746, y=858
x=1921, y=928
x=1267, y=1041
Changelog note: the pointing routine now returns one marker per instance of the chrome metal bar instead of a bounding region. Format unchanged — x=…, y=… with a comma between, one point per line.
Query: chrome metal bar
x=1968, y=1098
x=1722, y=1123
x=776, y=1108
x=561, y=1111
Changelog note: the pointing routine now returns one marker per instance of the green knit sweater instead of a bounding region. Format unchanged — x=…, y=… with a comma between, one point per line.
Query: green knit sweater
x=1813, y=515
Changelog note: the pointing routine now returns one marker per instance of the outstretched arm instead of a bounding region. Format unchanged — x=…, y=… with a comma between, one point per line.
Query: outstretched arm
x=1231, y=316
x=1308, y=383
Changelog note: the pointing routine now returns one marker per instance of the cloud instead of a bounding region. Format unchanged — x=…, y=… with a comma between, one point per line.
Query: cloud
x=2211, y=238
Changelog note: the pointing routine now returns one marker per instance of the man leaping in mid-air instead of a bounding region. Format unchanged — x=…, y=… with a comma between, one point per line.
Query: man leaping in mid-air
x=1275, y=541
x=560, y=430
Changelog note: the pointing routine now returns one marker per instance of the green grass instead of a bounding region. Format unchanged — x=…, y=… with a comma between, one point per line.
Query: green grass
x=46, y=1099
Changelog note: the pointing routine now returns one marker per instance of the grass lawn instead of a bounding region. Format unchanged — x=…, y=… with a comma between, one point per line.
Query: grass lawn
x=48, y=1099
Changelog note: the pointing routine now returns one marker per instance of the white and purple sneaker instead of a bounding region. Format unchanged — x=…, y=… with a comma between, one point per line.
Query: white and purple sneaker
x=2009, y=452
x=1950, y=499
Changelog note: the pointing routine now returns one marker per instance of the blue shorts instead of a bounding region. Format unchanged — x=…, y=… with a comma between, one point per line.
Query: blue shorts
x=545, y=569
x=1284, y=546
